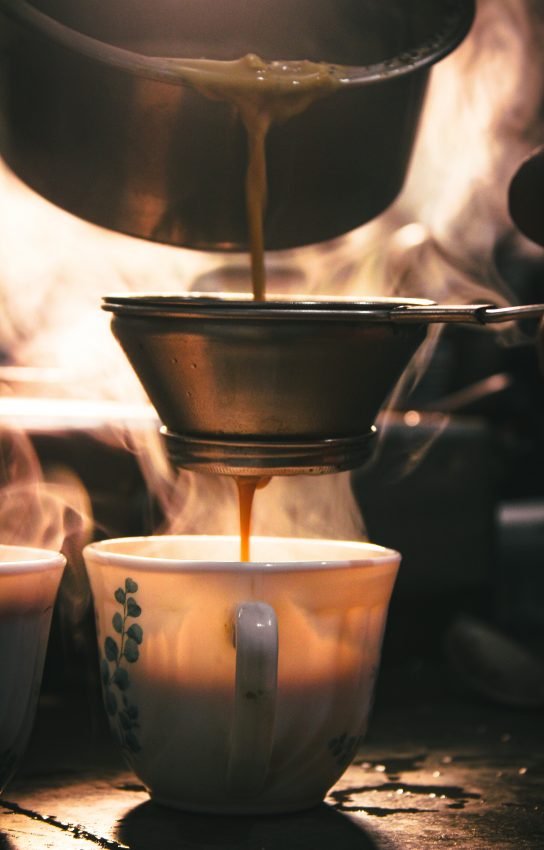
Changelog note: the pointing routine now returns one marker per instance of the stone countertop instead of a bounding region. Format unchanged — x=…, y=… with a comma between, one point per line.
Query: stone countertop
x=441, y=768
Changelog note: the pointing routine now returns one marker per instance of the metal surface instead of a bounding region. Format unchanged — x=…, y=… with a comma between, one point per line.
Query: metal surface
x=263, y=389
x=106, y=136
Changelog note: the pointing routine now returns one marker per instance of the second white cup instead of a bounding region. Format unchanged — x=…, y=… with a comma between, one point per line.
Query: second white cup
x=29, y=580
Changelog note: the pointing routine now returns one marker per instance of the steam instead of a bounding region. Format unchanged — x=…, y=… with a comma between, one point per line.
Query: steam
x=293, y=506
x=34, y=512
x=321, y=506
x=51, y=514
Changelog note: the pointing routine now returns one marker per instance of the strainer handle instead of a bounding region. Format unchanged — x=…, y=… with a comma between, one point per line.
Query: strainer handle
x=480, y=314
x=252, y=734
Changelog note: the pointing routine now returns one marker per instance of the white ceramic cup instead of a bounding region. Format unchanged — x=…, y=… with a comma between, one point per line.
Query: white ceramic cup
x=29, y=580
x=237, y=687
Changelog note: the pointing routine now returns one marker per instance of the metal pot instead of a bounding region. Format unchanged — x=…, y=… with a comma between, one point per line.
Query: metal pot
x=276, y=387
x=92, y=123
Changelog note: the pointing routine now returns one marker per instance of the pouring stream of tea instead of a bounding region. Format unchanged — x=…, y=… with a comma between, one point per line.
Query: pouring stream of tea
x=264, y=93
x=247, y=485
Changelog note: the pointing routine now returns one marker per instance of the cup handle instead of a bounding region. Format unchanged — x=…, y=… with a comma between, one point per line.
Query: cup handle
x=256, y=642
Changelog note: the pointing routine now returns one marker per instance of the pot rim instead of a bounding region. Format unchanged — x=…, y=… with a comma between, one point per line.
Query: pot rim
x=458, y=19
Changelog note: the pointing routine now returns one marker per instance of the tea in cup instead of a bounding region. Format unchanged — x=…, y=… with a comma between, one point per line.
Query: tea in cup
x=239, y=687
x=29, y=580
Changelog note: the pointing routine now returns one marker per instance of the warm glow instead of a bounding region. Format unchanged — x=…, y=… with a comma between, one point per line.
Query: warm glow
x=58, y=414
x=412, y=418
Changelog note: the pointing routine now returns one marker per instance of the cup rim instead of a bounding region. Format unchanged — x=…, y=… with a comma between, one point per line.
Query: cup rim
x=372, y=555
x=27, y=559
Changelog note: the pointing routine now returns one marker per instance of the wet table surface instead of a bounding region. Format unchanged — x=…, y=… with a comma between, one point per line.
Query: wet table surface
x=441, y=768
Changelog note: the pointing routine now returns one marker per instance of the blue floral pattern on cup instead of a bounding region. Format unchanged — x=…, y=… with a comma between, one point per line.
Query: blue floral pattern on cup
x=124, y=647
